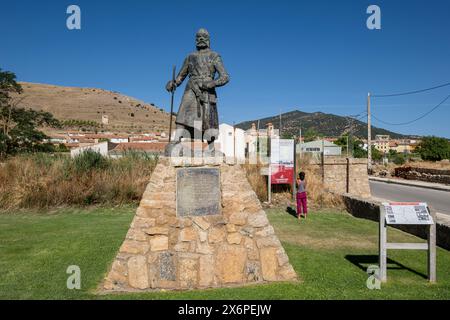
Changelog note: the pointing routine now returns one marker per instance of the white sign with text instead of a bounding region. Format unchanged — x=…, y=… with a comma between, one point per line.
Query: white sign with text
x=407, y=213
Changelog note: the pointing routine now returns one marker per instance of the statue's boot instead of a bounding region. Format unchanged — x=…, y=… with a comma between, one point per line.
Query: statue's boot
x=212, y=152
x=173, y=149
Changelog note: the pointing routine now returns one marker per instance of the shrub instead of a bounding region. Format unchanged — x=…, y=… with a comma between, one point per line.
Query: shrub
x=89, y=160
x=399, y=159
x=434, y=148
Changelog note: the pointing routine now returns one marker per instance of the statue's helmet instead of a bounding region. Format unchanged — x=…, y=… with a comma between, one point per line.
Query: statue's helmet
x=202, y=39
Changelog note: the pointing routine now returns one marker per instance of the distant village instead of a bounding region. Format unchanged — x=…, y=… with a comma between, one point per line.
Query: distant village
x=232, y=141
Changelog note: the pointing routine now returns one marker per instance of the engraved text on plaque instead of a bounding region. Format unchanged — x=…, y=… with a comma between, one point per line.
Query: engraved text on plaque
x=198, y=191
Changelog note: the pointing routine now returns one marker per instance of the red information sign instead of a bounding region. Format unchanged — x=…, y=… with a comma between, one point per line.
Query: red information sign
x=282, y=174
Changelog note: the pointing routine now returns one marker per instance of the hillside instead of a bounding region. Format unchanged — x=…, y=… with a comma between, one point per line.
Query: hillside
x=323, y=123
x=90, y=104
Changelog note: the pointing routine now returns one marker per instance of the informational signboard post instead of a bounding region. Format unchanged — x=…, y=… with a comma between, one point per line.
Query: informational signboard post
x=282, y=163
x=407, y=213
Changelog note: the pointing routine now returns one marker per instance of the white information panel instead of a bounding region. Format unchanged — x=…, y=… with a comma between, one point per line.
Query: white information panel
x=282, y=151
x=407, y=213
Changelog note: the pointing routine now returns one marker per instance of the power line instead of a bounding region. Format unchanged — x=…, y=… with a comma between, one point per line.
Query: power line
x=410, y=92
x=409, y=122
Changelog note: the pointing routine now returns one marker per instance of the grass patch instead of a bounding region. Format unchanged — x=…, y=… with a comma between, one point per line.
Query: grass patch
x=329, y=250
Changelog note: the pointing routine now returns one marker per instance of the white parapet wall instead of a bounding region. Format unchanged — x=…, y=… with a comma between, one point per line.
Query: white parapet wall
x=101, y=148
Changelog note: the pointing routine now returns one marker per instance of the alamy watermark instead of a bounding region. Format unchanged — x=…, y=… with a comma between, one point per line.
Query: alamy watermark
x=374, y=20
x=373, y=281
x=74, y=280
x=73, y=22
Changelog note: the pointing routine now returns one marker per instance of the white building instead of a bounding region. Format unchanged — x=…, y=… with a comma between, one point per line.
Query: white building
x=232, y=141
x=316, y=147
x=119, y=139
x=258, y=140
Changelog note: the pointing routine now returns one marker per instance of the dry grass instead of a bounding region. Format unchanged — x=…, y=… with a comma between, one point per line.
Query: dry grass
x=318, y=196
x=444, y=165
x=44, y=181
x=256, y=180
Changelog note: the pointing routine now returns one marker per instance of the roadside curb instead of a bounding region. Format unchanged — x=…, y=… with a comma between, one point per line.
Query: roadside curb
x=412, y=184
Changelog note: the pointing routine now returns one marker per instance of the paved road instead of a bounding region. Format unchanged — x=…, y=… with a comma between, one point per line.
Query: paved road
x=439, y=200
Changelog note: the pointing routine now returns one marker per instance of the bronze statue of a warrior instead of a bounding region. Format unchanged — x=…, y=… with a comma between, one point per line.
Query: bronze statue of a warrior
x=197, y=115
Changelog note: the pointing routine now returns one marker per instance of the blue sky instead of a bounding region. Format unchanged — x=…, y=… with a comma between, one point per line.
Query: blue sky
x=306, y=55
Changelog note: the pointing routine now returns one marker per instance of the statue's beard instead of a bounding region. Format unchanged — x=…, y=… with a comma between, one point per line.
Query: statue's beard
x=202, y=45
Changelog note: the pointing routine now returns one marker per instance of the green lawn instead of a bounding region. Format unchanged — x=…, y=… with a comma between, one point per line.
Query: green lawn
x=329, y=250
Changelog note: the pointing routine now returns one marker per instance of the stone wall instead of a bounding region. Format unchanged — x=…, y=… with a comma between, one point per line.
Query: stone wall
x=370, y=209
x=164, y=251
x=344, y=175
x=423, y=174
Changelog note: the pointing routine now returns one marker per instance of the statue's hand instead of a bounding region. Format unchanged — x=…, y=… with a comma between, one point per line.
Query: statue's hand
x=206, y=85
x=171, y=86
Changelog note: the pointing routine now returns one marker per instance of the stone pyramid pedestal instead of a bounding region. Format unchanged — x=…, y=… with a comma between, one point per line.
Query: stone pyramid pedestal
x=198, y=225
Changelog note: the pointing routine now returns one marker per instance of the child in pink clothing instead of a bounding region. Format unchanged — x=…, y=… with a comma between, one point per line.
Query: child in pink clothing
x=301, y=195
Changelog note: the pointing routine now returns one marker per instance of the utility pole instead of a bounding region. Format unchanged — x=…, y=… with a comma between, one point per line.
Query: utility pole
x=300, y=141
x=369, y=136
x=280, y=124
x=347, y=145
x=351, y=138
x=257, y=140
x=234, y=141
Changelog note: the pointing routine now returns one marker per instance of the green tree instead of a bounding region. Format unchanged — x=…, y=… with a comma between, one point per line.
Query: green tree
x=358, y=149
x=8, y=85
x=376, y=154
x=356, y=145
x=286, y=135
x=18, y=131
x=434, y=148
x=310, y=135
x=399, y=159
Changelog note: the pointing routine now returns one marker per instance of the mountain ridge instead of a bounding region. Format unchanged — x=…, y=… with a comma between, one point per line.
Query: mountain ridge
x=323, y=123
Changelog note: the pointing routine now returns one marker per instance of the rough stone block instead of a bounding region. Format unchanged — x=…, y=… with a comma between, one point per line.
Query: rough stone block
x=270, y=241
x=188, y=234
x=167, y=266
x=258, y=220
x=134, y=247
x=287, y=272
x=188, y=273
x=206, y=271
x=136, y=234
x=157, y=231
x=230, y=264
x=137, y=272
x=253, y=271
x=201, y=222
x=269, y=263
x=159, y=243
x=234, y=238
x=216, y=235
x=238, y=218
